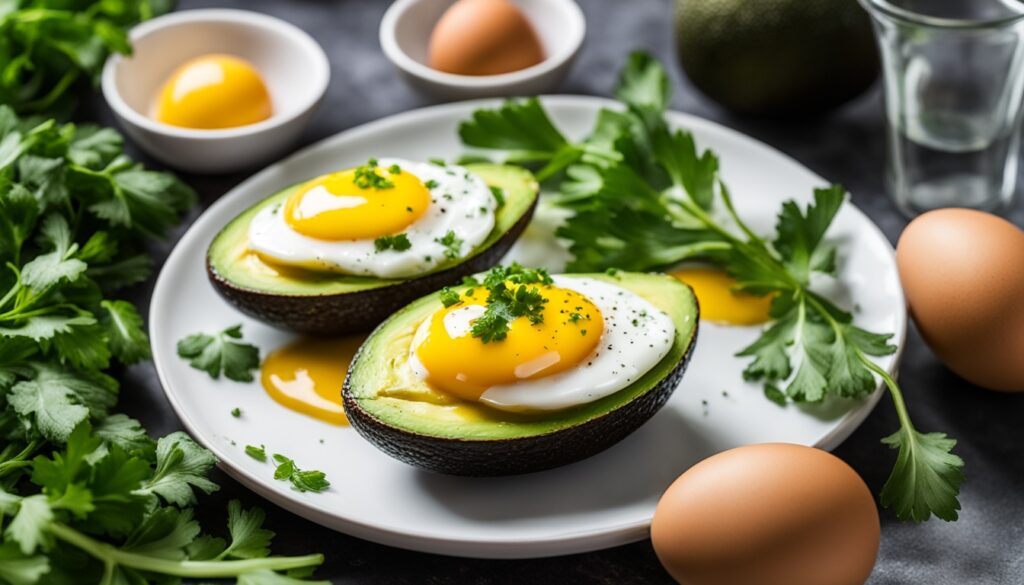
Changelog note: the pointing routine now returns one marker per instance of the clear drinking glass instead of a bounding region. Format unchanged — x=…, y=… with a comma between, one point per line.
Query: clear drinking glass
x=954, y=74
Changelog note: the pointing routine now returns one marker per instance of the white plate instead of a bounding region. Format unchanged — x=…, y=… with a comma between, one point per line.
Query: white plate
x=601, y=502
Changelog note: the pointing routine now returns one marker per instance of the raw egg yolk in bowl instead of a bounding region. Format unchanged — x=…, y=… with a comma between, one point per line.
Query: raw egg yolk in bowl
x=213, y=92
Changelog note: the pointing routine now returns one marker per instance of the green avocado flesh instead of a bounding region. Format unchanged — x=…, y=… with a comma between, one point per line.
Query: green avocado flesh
x=230, y=259
x=384, y=387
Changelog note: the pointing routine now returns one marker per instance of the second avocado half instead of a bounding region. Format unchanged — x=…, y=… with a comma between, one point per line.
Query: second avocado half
x=324, y=303
x=401, y=416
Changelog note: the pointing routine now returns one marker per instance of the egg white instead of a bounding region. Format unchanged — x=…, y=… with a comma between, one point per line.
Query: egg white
x=636, y=336
x=461, y=203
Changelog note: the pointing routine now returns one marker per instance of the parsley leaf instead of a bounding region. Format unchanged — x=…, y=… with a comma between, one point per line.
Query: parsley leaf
x=799, y=235
x=181, y=466
x=249, y=540
x=926, y=478
x=30, y=523
x=127, y=433
x=124, y=330
x=49, y=269
x=18, y=568
x=516, y=126
x=223, y=352
x=164, y=534
x=56, y=400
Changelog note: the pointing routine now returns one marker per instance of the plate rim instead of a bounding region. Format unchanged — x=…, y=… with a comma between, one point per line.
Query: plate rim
x=563, y=543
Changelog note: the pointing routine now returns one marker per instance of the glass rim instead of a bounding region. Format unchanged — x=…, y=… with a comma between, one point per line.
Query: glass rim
x=889, y=9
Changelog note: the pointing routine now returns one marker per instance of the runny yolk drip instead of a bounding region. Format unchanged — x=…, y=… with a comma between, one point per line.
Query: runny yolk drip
x=465, y=366
x=333, y=207
x=213, y=91
x=306, y=376
x=719, y=302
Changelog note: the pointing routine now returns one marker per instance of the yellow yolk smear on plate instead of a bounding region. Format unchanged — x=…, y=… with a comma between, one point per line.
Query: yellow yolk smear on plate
x=213, y=92
x=306, y=376
x=463, y=365
x=336, y=207
x=719, y=302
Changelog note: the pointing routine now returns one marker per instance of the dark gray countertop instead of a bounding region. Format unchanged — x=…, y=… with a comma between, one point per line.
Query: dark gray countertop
x=985, y=547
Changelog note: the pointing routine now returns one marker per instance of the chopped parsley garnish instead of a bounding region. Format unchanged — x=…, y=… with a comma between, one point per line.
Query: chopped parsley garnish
x=438, y=161
x=367, y=177
x=236, y=412
x=499, y=195
x=395, y=169
x=430, y=184
x=452, y=244
x=449, y=297
x=509, y=296
x=397, y=242
x=221, y=352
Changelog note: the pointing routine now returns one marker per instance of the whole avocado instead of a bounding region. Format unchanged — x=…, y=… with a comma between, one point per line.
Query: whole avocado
x=776, y=57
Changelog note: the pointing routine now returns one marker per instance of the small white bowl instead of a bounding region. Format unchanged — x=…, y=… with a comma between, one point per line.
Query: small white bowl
x=292, y=64
x=405, y=37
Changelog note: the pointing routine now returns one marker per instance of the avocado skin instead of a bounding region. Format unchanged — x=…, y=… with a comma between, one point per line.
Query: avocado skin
x=359, y=311
x=776, y=58
x=483, y=458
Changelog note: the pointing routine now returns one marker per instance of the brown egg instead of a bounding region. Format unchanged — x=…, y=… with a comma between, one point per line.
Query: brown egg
x=963, y=274
x=484, y=37
x=773, y=514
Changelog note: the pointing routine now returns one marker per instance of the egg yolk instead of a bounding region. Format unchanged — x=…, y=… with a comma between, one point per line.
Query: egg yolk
x=465, y=366
x=307, y=376
x=213, y=91
x=720, y=302
x=334, y=207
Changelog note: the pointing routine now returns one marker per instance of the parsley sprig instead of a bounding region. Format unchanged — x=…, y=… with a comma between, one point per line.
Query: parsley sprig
x=645, y=198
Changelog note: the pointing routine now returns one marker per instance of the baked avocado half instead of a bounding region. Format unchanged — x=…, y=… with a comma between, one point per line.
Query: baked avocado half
x=324, y=303
x=390, y=406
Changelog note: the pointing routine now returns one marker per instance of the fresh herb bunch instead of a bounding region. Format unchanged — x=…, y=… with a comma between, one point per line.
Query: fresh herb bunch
x=85, y=495
x=645, y=198
x=46, y=46
x=509, y=297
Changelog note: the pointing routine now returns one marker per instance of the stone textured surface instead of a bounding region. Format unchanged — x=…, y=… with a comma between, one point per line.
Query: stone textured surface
x=986, y=547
